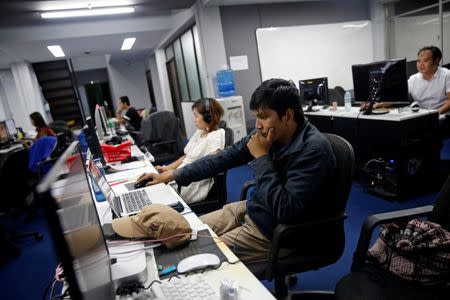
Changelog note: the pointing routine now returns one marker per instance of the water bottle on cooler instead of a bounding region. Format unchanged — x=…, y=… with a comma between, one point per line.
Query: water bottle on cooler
x=225, y=82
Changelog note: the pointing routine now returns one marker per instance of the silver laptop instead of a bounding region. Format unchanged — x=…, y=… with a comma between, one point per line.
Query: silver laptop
x=130, y=203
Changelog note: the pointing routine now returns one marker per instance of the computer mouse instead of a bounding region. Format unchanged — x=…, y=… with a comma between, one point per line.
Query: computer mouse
x=141, y=184
x=414, y=106
x=198, y=262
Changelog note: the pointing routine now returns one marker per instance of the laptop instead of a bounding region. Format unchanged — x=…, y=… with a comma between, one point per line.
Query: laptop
x=130, y=203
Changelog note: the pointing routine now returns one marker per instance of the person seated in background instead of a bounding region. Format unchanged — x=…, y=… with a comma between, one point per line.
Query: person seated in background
x=430, y=86
x=128, y=114
x=42, y=129
x=293, y=166
x=207, y=139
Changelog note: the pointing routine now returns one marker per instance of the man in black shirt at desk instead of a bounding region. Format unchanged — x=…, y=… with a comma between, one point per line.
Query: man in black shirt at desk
x=131, y=115
x=293, y=165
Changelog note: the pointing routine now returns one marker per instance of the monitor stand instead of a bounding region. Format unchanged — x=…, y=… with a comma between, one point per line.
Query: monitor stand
x=311, y=108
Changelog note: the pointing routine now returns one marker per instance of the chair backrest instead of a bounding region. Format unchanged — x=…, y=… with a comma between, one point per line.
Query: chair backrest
x=162, y=127
x=335, y=96
x=345, y=163
x=14, y=176
x=41, y=150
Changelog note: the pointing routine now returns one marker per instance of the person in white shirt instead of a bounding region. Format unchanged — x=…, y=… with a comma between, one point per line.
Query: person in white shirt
x=208, y=139
x=430, y=87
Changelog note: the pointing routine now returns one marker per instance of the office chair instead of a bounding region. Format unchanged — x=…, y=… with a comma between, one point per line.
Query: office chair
x=335, y=96
x=61, y=127
x=341, y=91
x=15, y=176
x=328, y=239
x=217, y=196
x=161, y=134
x=367, y=281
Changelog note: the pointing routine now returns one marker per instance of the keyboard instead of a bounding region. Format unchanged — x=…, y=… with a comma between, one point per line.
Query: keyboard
x=185, y=288
x=135, y=200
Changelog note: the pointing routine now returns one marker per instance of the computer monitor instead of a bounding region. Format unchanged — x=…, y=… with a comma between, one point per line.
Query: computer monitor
x=11, y=127
x=101, y=121
x=93, y=142
x=313, y=91
x=384, y=81
x=4, y=133
x=76, y=229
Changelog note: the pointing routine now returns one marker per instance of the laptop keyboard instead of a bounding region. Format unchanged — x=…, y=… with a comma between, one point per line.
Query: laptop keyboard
x=135, y=200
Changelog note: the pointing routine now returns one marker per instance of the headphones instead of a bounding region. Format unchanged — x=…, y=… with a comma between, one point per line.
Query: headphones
x=207, y=113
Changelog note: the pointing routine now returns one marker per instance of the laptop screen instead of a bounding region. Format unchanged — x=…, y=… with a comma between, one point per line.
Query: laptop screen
x=105, y=188
x=76, y=229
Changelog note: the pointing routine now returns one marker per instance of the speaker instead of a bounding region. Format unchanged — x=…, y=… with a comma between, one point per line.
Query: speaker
x=207, y=113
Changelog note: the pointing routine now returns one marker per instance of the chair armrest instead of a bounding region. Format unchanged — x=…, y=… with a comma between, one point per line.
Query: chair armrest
x=245, y=187
x=373, y=221
x=283, y=235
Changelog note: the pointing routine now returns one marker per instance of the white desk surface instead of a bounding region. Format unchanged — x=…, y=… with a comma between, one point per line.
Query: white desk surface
x=393, y=114
x=10, y=148
x=250, y=286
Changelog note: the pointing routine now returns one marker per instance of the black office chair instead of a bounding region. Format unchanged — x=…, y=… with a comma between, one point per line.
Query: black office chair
x=324, y=236
x=367, y=281
x=217, y=196
x=15, y=176
x=61, y=127
x=335, y=96
x=161, y=134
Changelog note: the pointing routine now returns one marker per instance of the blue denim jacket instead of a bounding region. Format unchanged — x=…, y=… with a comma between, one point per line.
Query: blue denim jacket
x=291, y=184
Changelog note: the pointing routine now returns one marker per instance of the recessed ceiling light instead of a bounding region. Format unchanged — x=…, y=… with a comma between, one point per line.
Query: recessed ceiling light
x=62, y=5
x=56, y=50
x=128, y=43
x=87, y=12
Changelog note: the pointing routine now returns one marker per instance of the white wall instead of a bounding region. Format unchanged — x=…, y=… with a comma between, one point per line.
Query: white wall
x=156, y=83
x=12, y=96
x=127, y=78
x=425, y=31
x=212, y=44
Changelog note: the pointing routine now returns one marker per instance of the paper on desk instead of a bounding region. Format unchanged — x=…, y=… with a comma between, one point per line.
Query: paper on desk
x=124, y=175
x=129, y=166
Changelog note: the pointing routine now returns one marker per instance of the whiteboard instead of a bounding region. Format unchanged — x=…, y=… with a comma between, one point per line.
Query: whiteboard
x=311, y=51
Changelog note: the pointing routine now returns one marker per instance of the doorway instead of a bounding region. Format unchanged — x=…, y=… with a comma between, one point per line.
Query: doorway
x=98, y=93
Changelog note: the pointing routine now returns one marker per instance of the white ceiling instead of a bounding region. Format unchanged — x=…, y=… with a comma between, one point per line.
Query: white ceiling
x=24, y=35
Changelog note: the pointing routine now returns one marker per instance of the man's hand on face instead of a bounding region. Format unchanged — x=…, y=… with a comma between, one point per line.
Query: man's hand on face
x=259, y=145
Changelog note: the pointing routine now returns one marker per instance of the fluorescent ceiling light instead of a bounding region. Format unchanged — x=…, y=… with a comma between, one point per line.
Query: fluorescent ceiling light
x=356, y=25
x=128, y=43
x=56, y=50
x=87, y=12
x=62, y=5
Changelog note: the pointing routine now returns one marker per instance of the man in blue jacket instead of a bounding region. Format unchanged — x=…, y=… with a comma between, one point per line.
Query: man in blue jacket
x=292, y=162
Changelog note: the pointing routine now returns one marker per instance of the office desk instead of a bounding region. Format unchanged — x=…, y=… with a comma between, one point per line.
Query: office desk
x=409, y=140
x=250, y=286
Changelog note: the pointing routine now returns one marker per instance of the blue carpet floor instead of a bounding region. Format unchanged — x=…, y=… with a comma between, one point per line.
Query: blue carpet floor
x=26, y=277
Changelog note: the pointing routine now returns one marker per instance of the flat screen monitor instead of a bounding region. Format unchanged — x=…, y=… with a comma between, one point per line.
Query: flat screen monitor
x=93, y=142
x=100, y=121
x=11, y=127
x=314, y=91
x=76, y=229
x=391, y=79
x=4, y=134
